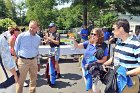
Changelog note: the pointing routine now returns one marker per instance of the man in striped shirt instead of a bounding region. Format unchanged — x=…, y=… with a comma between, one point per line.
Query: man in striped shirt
x=126, y=53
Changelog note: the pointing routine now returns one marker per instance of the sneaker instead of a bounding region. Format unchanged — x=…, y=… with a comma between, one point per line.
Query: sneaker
x=58, y=76
x=25, y=84
x=52, y=85
x=49, y=82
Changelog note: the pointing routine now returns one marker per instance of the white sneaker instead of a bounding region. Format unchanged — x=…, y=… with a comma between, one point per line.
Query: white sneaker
x=25, y=84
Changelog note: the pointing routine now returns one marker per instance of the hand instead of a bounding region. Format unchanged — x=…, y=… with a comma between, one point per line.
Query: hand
x=104, y=68
x=49, y=38
x=71, y=37
x=16, y=59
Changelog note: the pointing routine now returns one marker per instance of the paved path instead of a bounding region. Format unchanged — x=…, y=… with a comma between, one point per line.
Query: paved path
x=71, y=81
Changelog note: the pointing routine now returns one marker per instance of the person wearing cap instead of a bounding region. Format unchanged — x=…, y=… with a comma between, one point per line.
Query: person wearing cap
x=53, y=39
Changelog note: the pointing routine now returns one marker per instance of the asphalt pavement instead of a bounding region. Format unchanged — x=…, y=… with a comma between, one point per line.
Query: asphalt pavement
x=71, y=81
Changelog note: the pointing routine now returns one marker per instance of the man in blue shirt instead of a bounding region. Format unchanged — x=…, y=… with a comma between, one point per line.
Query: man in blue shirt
x=106, y=34
x=84, y=33
x=26, y=48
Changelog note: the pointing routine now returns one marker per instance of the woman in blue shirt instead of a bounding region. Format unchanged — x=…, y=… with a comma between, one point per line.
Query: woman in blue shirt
x=96, y=38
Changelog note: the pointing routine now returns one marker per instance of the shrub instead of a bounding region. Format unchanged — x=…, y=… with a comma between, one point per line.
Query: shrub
x=5, y=23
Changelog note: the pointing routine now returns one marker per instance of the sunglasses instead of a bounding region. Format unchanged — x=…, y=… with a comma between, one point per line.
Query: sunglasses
x=17, y=30
x=115, y=28
x=93, y=34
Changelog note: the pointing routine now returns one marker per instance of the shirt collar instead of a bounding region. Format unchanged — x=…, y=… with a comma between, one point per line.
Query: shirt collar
x=119, y=41
x=128, y=39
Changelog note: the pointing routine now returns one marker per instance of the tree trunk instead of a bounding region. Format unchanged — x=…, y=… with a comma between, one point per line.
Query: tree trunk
x=85, y=11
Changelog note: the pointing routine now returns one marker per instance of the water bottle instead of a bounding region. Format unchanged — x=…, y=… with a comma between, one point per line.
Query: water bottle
x=72, y=44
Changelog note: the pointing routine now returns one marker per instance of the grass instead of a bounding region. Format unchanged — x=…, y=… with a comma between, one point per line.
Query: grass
x=64, y=40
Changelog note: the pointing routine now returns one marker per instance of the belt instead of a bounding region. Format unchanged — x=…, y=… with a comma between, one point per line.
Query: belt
x=27, y=58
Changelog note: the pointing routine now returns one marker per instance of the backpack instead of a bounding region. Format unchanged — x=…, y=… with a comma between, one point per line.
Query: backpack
x=109, y=79
x=100, y=50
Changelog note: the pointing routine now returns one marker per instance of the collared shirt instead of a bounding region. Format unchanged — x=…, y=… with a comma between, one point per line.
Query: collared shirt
x=90, y=50
x=7, y=35
x=86, y=33
x=106, y=35
x=54, y=36
x=127, y=53
x=27, y=45
x=5, y=54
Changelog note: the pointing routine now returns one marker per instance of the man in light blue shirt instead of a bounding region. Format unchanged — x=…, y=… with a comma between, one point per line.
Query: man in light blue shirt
x=26, y=48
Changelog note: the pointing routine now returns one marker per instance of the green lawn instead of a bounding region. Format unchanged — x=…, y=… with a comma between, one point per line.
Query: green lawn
x=64, y=40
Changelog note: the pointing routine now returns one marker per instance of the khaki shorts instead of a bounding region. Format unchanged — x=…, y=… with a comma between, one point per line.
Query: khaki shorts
x=134, y=88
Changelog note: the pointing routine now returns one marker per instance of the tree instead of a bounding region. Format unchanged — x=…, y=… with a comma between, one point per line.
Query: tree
x=21, y=8
x=87, y=5
x=10, y=9
x=41, y=10
x=69, y=17
x=5, y=23
x=124, y=6
x=2, y=9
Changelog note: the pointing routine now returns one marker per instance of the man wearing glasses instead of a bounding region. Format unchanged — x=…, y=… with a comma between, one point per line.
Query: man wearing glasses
x=126, y=53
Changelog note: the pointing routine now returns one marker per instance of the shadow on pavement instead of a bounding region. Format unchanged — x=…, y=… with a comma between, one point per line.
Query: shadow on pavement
x=71, y=76
x=41, y=82
x=61, y=84
x=66, y=61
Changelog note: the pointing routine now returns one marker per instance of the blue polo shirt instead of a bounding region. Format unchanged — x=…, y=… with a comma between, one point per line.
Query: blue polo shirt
x=90, y=50
x=106, y=35
x=86, y=32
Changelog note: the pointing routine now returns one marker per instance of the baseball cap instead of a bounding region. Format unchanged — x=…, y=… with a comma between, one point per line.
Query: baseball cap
x=52, y=25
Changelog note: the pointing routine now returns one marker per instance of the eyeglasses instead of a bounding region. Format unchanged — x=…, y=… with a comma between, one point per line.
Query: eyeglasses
x=93, y=34
x=115, y=28
x=17, y=30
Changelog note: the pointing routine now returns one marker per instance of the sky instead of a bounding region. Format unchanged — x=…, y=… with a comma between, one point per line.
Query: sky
x=58, y=7
x=63, y=6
